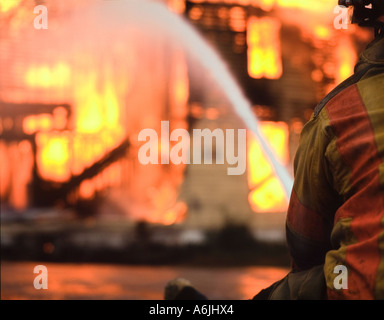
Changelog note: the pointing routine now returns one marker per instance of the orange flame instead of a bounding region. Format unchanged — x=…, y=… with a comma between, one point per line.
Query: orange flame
x=45, y=76
x=97, y=123
x=264, y=57
x=267, y=5
x=97, y=98
x=53, y=155
x=346, y=60
x=7, y=5
x=267, y=193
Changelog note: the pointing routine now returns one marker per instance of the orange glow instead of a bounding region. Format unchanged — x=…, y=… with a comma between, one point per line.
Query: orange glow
x=175, y=214
x=346, y=60
x=177, y=6
x=250, y=282
x=267, y=5
x=264, y=57
x=59, y=120
x=97, y=108
x=97, y=120
x=30, y=125
x=7, y=5
x=267, y=194
x=87, y=189
x=19, y=161
x=95, y=128
x=44, y=76
x=5, y=176
x=110, y=176
x=53, y=156
x=179, y=86
x=319, y=5
x=195, y=13
x=268, y=198
x=322, y=32
x=33, y=124
x=237, y=19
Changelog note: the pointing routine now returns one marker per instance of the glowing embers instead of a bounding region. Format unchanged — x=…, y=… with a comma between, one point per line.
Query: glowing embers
x=267, y=193
x=264, y=52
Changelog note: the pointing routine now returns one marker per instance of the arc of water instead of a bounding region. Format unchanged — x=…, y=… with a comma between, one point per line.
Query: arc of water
x=214, y=64
x=158, y=16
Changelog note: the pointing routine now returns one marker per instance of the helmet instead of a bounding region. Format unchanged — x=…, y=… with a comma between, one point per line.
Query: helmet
x=365, y=12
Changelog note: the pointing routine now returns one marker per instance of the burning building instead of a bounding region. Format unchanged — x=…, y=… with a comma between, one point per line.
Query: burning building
x=75, y=96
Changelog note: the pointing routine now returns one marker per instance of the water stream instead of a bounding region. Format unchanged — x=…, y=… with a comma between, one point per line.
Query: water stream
x=156, y=15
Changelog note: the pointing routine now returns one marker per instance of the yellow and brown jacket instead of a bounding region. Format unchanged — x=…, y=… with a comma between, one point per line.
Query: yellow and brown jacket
x=336, y=211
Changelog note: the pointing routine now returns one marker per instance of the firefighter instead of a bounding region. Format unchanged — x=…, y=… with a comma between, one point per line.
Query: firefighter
x=335, y=220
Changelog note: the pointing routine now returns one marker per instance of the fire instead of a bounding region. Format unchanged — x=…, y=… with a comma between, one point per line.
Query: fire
x=316, y=6
x=100, y=104
x=237, y=19
x=45, y=76
x=177, y=6
x=33, y=124
x=263, y=39
x=175, y=214
x=111, y=176
x=7, y=5
x=346, y=60
x=53, y=156
x=322, y=32
x=97, y=121
x=99, y=98
x=267, y=5
x=179, y=86
x=267, y=194
x=98, y=108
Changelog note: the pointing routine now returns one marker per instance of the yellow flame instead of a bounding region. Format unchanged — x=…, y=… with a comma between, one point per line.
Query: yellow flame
x=45, y=76
x=264, y=56
x=267, y=5
x=174, y=215
x=322, y=32
x=7, y=5
x=97, y=121
x=53, y=156
x=97, y=109
x=319, y=5
x=269, y=198
x=42, y=122
x=346, y=60
x=267, y=193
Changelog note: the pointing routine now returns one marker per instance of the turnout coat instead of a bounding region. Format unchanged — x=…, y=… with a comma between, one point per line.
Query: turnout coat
x=335, y=220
